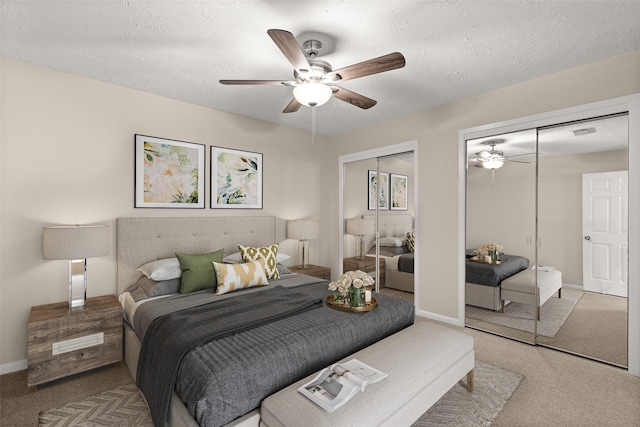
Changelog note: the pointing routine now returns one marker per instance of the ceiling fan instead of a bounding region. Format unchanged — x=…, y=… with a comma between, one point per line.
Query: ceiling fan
x=494, y=159
x=315, y=80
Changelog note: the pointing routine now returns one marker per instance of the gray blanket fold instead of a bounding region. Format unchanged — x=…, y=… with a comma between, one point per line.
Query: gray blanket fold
x=494, y=274
x=179, y=332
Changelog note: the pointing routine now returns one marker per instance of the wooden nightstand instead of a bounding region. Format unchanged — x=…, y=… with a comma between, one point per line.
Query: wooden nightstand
x=368, y=265
x=313, y=270
x=62, y=343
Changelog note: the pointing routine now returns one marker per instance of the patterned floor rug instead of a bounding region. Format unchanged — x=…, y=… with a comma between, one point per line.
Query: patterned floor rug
x=555, y=312
x=493, y=388
x=124, y=405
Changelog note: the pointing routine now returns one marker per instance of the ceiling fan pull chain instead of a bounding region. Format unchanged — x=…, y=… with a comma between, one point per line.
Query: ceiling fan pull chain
x=313, y=126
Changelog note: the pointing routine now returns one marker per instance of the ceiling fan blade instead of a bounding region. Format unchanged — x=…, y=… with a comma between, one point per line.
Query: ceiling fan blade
x=366, y=68
x=257, y=82
x=519, y=155
x=290, y=48
x=353, y=98
x=292, y=107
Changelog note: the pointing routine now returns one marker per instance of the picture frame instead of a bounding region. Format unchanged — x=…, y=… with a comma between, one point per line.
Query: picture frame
x=236, y=179
x=398, y=189
x=169, y=173
x=372, y=186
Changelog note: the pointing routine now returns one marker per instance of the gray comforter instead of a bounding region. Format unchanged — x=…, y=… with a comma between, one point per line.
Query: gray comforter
x=494, y=274
x=229, y=376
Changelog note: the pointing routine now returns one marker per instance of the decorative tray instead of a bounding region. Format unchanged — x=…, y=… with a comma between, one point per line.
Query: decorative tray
x=481, y=261
x=331, y=302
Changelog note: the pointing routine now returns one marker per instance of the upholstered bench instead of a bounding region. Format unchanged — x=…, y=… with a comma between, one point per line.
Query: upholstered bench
x=422, y=361
x=521, y=287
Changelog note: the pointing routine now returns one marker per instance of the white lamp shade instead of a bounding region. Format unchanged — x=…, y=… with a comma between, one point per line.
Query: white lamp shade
x=312, y=94
x=75, y=241
x=303, y=229
x=492, y=164
x=360, y=226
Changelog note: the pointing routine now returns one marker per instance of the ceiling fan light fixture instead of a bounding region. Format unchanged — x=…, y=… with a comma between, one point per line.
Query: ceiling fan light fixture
x=312, y=94
x=492, y=164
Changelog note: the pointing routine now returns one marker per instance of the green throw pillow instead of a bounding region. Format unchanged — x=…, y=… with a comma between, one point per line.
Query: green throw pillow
x=197, y=271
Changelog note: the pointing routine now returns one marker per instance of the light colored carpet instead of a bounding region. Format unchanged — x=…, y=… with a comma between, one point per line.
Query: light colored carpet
x=124, y=405
x=555, y=312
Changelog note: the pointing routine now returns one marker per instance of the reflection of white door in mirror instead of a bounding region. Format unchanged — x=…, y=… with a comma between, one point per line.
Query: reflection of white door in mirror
x=604, y=244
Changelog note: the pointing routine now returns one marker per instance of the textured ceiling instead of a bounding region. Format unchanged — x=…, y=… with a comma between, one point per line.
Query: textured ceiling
x=181, y=49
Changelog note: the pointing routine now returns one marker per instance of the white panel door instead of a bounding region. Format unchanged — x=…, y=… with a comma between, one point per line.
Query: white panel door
x=604, y=228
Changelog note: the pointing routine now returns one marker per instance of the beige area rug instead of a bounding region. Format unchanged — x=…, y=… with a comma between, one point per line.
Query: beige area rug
x=124, y=405
x=555, y=312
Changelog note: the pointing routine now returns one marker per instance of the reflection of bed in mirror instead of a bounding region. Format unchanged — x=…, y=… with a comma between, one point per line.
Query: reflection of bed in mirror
x=398, y=258
x=482, y=282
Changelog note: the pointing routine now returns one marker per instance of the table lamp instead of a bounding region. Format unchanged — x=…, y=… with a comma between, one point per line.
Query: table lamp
x=75, y=243
x=303, y=230
x=360, y=227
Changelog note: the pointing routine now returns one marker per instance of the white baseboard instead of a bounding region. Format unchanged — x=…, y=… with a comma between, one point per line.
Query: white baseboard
x=7, y=368
x=440, y=318
x=570, y=286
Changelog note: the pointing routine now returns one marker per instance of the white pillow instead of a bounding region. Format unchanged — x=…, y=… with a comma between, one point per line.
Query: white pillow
x=393, y=241
x=162, y=269
x=236, y=258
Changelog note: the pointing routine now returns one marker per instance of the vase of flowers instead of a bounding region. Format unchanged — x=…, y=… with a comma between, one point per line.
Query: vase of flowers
x=350, y=288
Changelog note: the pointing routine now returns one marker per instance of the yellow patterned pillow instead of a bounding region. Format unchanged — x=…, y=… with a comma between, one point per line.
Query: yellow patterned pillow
x=232, y=277
x=269, y=253
x=411, y=241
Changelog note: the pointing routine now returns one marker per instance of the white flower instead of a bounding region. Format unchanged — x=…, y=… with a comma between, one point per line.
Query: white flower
x=357, y=279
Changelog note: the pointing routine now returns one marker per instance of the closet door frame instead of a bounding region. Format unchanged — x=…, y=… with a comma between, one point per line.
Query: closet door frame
x=630, y=104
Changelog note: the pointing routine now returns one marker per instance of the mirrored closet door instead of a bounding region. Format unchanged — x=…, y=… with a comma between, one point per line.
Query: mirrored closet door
x=556, y=196
x=378, y=201
x=501, y=216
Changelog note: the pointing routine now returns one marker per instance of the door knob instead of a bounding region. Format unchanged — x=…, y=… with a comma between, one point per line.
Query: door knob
x=587, y=237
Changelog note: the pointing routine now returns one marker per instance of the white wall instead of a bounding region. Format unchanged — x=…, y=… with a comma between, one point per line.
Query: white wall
x=67, y=158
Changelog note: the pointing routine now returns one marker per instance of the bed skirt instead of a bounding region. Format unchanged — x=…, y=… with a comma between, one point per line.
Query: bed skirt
x=482, y=296
x=400, y=280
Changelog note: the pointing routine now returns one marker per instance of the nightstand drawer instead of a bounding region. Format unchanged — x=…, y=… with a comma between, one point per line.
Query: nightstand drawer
x=368, y=265
x=84, y=339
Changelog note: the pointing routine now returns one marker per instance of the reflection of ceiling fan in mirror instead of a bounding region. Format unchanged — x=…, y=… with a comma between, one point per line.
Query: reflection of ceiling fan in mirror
x=494, y=159
x=315, y=79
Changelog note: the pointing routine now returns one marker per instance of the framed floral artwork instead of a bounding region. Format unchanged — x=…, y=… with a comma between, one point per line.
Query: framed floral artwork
x=383, y=184
x=236, y=179
x=169, y=173
x=398, y=184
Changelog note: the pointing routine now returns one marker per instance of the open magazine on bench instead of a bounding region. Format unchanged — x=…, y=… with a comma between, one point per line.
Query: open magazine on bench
x=338, y=383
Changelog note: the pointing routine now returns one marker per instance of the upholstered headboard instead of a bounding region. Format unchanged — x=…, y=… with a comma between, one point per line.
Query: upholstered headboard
x=394, y=225
x=140, y=240
x=390, y=226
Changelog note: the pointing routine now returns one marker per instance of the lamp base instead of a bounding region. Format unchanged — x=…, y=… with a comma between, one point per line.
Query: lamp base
x=77, y=284
x=303, y=253
x=360, y=247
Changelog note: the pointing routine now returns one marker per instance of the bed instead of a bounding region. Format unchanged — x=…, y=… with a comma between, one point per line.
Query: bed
x=482, y=281
x=292, y=335
x=398, y=260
